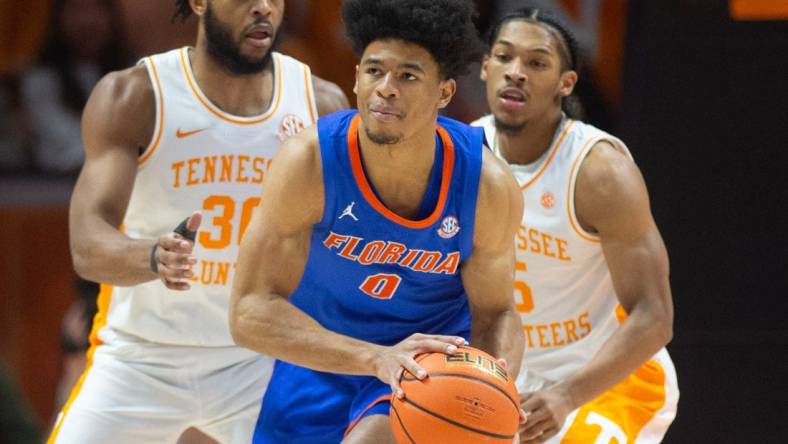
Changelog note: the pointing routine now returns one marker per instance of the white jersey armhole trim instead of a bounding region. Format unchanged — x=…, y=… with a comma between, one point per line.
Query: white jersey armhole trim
x=570, y=193
x=311, y=97
x=153, y=75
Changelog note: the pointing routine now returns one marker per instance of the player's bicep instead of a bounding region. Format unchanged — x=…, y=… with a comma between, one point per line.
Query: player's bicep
x=611, y=197
x=487, y=275
x=270, y=261
x=111, y=140
x=274, y=249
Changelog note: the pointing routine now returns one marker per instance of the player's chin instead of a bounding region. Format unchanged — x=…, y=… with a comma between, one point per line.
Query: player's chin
x=384, y=137
x=507, y=122
x=253, y=52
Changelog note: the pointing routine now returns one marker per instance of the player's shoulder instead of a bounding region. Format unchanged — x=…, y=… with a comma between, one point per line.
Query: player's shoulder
x=606, y=170
x=121, y=111
x=127, y=90
x=300, y=154
x=498, y=192
x=329, y=97
x=296, y=179
x=496, y=177
x=608, y=184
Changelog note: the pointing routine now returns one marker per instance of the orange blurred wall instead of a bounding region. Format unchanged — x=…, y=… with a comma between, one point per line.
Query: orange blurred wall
x=759, y=9
x=36, y=287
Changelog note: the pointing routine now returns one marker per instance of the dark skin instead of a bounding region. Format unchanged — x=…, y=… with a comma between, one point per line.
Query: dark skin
x=399, y=93
x=611, y=201
x=113, y=143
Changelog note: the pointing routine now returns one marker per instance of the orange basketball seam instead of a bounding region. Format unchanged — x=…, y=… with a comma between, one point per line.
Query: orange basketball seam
x=474, y=378
x=458, y=424
x=399, y=420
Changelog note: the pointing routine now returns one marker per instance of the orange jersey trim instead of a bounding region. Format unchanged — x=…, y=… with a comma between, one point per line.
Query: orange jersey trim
x=223, y=115
x=104, y=298
x=372, y=199
x=309, y=103
x=160, y=118
x=361, y=415
x=554, y=149
x=569, y=207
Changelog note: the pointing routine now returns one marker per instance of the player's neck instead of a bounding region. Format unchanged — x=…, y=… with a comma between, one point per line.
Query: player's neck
x=399, y=172
x=230, y=92
x=527, y=145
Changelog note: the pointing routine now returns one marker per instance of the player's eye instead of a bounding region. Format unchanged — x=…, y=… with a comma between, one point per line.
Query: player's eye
x=538, y=64
x=408, y=76
x=501, y=57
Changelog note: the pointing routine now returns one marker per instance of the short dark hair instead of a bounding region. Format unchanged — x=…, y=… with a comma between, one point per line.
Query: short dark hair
x=566, y=42
x=443, y=27
x=183, y=10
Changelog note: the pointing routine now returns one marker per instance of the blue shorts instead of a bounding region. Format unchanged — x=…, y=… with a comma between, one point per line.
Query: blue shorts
x=307, y=406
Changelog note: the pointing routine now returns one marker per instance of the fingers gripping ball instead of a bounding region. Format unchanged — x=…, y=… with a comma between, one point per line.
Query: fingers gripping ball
x=467, y=398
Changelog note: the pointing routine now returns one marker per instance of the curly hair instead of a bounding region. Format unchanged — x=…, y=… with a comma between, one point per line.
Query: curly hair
x=443, y=27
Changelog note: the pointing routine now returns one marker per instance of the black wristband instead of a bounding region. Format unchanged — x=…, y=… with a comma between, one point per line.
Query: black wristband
x=154, y=264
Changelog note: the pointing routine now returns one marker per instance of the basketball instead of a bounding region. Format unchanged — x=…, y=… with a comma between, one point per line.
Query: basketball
x=467, y=398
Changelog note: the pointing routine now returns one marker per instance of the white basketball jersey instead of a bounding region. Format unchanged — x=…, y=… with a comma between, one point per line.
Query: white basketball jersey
x=202, y=158
x=563, y=288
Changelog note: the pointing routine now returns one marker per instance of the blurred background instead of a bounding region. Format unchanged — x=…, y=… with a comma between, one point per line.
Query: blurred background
x=697, y=89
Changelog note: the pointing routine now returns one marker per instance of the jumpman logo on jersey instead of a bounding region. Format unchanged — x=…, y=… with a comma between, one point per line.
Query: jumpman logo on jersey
x=349, y=212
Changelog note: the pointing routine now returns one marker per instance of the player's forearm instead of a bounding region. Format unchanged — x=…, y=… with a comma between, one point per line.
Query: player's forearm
x=641, y=336
x=502, y=336
x=277, y=328
x=101, y=253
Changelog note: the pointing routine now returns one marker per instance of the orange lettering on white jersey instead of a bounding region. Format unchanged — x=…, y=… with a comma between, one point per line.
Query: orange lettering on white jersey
x=202, y=158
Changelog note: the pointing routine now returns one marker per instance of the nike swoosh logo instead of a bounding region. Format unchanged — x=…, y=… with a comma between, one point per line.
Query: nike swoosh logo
x=182, y=134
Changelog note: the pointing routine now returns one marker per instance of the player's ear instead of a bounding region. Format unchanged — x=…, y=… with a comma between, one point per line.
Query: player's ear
x=485, y=63
x=447, y=89
x=199, y=6
x=567, y=83
x=355, y=84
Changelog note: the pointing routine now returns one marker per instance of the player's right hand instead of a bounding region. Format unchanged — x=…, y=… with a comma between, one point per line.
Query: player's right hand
x=174, y=257
x=396, y=359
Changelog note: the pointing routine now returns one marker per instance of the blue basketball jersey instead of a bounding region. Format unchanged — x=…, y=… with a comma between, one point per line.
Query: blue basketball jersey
x=375, y=276
x=379, y=277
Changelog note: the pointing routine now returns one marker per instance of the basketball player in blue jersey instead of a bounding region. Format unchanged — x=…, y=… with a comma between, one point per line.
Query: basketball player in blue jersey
x=383, y=233
x=191, y=129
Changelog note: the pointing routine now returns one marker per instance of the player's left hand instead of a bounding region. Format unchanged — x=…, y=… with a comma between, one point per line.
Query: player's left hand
x=546, y=411
x=523, y=415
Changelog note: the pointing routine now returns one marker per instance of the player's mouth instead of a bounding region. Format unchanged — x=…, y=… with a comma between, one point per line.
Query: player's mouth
x=260, y=35
x=384, y=113
x=512, y=99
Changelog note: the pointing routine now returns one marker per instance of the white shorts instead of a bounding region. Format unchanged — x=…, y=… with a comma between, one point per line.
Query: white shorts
x=134, y=392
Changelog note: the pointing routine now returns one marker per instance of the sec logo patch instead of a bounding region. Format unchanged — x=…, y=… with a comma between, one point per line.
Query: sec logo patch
x=449, y=228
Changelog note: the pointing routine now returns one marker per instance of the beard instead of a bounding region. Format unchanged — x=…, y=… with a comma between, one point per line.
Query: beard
x=382, y=139
x=509, y=128
x=226, y=52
